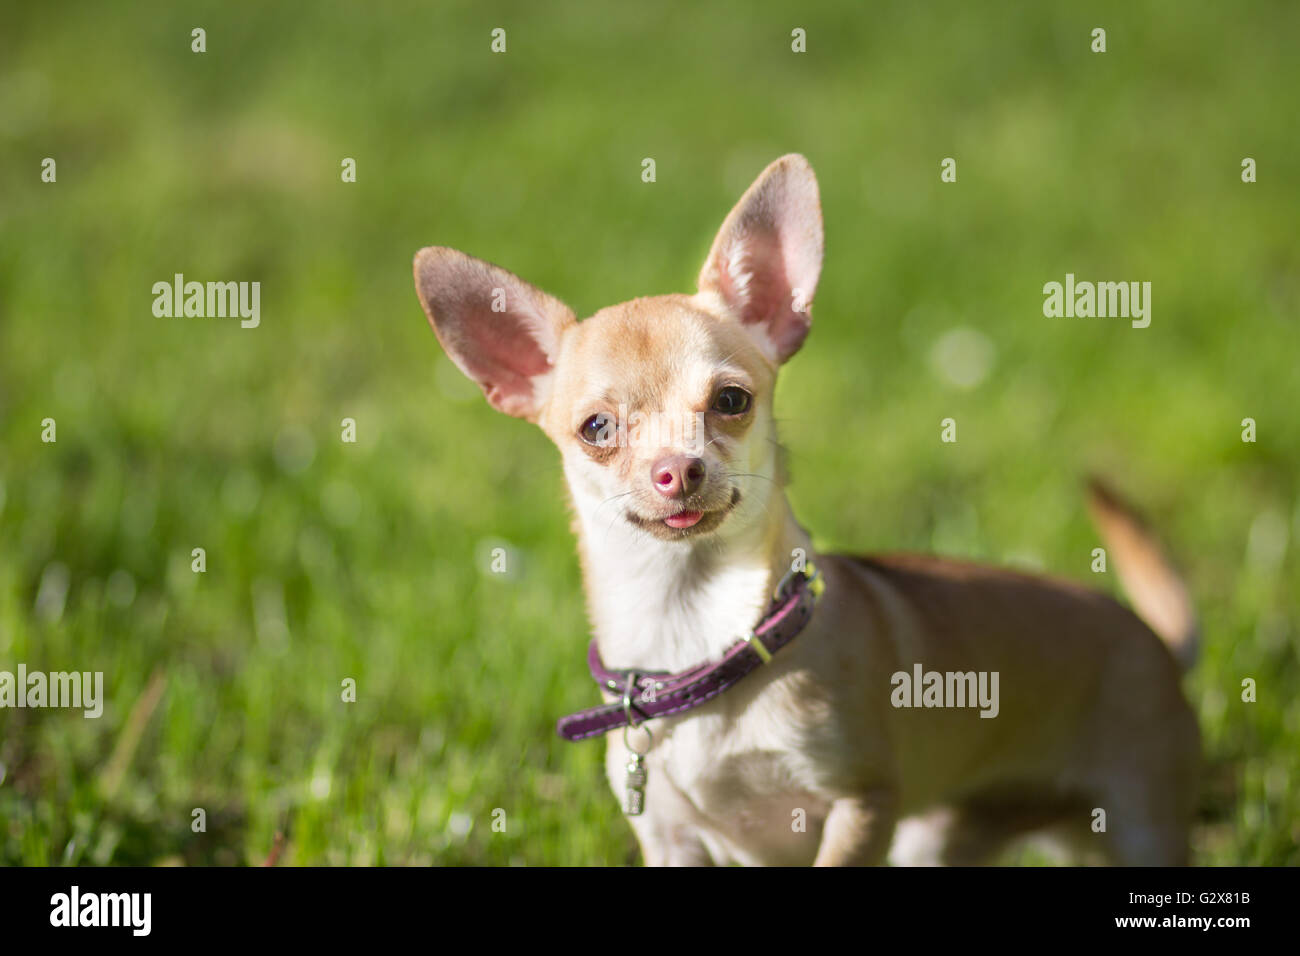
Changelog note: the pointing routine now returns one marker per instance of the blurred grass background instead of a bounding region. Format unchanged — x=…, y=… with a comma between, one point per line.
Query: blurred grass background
x=328, y=560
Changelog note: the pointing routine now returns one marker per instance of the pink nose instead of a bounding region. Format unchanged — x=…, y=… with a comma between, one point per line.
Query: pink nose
x=677, y=476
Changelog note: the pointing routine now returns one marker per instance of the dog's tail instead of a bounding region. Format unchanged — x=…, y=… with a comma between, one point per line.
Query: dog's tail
x=1158, y=593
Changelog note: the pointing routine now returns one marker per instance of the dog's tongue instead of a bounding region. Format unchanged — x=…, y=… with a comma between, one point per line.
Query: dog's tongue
x=684, y=519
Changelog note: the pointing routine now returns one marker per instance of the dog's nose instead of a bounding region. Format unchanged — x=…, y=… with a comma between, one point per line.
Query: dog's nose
x=677, y=475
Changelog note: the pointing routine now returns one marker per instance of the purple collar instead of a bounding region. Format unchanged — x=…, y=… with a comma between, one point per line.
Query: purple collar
x=650, y=694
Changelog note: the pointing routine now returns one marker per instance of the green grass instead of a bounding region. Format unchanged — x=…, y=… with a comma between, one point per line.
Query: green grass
x=328, y=561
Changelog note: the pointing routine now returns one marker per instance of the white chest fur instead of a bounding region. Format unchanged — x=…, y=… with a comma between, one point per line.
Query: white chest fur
x=732, y=771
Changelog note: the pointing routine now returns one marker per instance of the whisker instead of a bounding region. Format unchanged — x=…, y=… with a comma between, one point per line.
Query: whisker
x=746, y=474
x=596, y=513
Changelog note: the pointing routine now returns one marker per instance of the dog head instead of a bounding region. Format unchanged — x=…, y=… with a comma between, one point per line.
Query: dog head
x=661, y=407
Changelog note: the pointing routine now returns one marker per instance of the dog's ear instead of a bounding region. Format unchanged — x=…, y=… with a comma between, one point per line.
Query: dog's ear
x=766, y=260
x=499, y=330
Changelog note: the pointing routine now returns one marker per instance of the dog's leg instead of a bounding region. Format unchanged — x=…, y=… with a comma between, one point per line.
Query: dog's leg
x=665, y=843
x=667, y=835
x=922, y=839
x=1148, y=821
x=667, y=830
x=858, y=830
x=1139, y=842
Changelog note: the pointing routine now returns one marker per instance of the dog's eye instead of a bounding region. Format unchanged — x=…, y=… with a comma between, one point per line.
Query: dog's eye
x=599, y=430
x=732, y=400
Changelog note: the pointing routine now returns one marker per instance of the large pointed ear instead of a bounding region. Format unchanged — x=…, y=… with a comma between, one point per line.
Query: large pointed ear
x=766, y=260
x=499, y=330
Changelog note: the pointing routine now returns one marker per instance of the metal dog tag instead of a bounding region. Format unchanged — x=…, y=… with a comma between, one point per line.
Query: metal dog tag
x=634, y=803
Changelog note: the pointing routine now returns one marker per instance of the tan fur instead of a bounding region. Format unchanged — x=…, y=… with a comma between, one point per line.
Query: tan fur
x=807, y=760
x=1157, y=591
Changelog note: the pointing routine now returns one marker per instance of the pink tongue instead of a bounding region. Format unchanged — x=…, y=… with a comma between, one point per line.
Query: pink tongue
x=684, y=519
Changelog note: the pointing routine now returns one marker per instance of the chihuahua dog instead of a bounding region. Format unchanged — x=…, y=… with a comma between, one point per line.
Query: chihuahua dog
x=825, y=752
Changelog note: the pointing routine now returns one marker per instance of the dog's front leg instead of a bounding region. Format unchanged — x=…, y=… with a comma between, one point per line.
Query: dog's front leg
x=666, y=828
x=666, y=842
x=666, y=831
x=858, y=830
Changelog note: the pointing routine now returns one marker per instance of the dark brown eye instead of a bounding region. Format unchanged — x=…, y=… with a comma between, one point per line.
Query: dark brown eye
x=732, y=400
x=599, y=430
